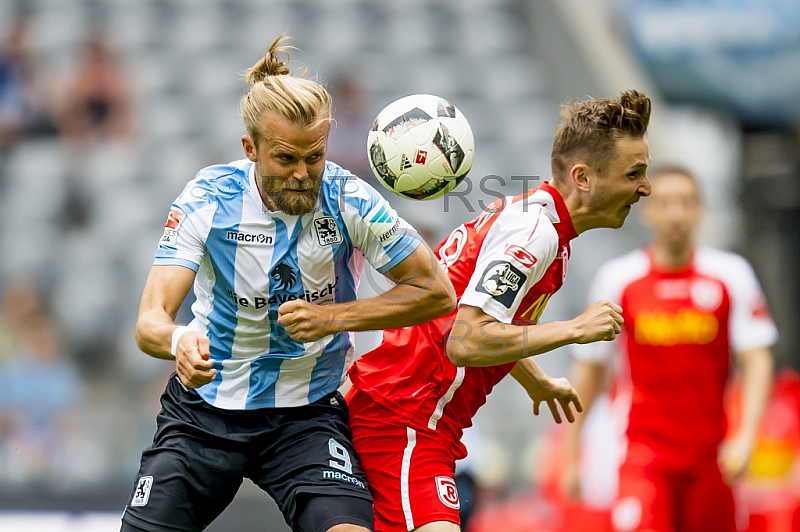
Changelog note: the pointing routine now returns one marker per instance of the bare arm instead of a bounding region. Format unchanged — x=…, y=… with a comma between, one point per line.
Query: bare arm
x=541, y=387
x=478, y=339
x=164, y=292
x=589, y=379
x=423, y=292
x=756, y=369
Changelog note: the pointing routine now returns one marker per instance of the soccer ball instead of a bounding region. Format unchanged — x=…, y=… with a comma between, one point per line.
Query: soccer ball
x=420, y=147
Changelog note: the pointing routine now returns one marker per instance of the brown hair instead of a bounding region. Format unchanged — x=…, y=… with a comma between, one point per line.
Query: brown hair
x=589, y=129
x=272, y=88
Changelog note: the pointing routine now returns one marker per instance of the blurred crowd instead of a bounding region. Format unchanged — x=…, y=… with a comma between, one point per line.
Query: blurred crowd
x=91, y=102
x=44, y=380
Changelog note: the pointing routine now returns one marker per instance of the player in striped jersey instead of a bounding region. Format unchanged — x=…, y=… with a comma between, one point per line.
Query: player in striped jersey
x=274, y=245
x=687, y=308
x=414, y=394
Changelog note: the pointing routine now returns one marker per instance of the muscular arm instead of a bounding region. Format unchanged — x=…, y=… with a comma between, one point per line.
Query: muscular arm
x=423, y=292
x=478, y=339
x=164, y=292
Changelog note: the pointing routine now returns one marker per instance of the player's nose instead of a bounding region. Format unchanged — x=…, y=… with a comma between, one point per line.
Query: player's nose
x=646, y=187
x=300, y=171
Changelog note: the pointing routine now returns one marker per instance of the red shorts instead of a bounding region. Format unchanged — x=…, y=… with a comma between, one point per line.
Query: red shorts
x=662, y=498
x=409, y=471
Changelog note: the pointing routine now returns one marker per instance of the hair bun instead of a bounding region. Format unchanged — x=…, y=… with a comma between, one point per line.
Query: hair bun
x=271, y=64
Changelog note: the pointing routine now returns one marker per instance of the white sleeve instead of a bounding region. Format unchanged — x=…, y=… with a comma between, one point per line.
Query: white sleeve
x=184, y=240
x=375, y=228
x=513, y=258
x=750, y=324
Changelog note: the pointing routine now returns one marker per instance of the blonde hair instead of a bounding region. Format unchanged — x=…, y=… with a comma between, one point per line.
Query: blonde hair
x=589, y=129
x=273, y=89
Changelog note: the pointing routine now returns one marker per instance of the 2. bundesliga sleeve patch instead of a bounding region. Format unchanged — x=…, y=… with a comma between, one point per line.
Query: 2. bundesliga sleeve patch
x=503, y=281
x=170, y=236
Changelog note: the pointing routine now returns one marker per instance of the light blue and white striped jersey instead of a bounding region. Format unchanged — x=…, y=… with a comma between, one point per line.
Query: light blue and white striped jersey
x=249, y=260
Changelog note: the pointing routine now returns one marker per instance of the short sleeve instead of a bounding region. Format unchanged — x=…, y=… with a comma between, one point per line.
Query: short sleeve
x=751, y=324
x=186, y=230
x=514, y=257
x=375, y=228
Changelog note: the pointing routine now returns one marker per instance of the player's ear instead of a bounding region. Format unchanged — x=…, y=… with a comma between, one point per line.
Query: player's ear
x=249, y=148
x=579, y=175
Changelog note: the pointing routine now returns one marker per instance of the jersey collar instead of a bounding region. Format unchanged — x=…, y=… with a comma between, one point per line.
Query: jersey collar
x=561, y=209
x=256, y=196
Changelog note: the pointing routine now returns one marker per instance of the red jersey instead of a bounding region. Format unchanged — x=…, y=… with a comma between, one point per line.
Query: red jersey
x=680, y=328
x=508, y=261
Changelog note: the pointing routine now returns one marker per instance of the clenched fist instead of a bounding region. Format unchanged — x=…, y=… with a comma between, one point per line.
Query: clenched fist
x=192, y=360
x=601, y=320
x=307, y=322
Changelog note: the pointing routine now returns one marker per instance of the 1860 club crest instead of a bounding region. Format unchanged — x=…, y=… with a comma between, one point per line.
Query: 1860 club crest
x=327, y=231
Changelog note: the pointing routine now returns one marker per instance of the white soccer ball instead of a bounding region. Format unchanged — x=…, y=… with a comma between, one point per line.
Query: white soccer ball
x=420, y=147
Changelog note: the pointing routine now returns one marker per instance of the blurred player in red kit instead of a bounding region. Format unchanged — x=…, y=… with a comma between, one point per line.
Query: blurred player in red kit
x=686, y=308
x=414, y=394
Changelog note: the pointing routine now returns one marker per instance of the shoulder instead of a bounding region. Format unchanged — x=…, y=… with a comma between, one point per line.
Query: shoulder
x=622, y=271
x=531, y=215
x=346, y=190
x=712, y=259
x=216, y=182
x=727, y=266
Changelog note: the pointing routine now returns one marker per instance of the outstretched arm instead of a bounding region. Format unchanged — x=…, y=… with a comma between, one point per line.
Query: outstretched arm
x=541, y=387
x=478, y=339
x=423, y=292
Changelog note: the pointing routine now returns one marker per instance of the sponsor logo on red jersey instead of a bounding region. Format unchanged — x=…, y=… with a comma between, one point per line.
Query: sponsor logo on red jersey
x=448, y=494
x=522, y=255
x=687, y=326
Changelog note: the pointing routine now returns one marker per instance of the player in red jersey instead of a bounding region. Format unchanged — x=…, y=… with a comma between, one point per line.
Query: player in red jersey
x=686, y=308
x=414, y=394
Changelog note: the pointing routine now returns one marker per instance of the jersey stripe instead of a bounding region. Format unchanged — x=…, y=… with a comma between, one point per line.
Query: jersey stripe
x=222, y=319
x=437, y=413
x=405, y=499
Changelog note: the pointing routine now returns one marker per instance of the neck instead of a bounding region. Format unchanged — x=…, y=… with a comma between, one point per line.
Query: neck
x=580, y=214
x=672, y=257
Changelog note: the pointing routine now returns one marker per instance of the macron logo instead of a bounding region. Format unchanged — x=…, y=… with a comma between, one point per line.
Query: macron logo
x=256, y=238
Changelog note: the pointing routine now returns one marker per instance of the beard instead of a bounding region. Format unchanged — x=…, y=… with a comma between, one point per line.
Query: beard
x=281, y=193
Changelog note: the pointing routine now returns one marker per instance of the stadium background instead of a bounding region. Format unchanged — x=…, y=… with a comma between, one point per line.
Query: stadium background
x=80, y=213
